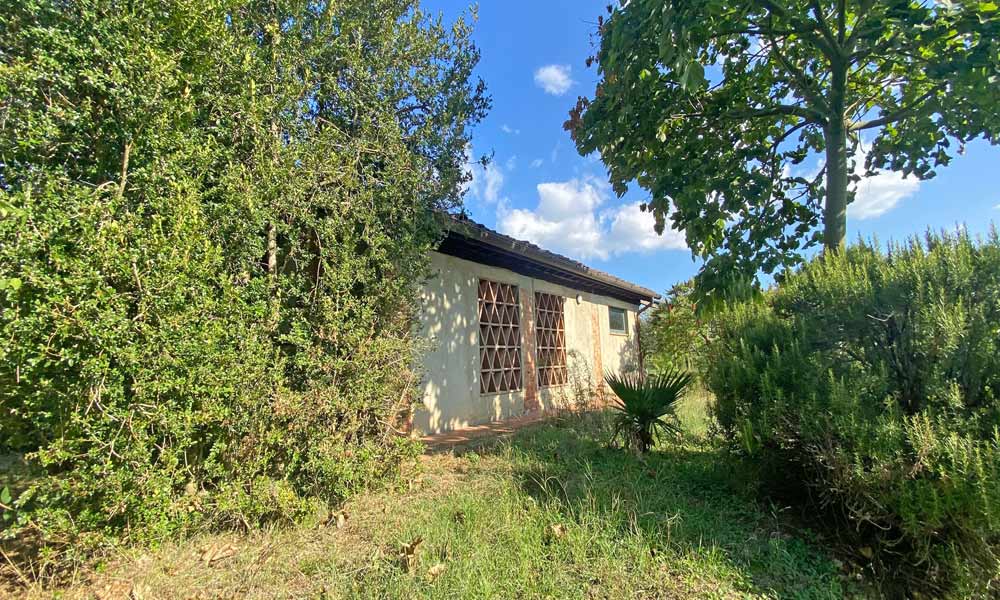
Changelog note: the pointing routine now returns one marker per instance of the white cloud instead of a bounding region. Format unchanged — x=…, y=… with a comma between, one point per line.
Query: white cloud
x=997, y=207
x=880, y=193
x=486, y=182
x=511, y=163
x=538, y=162
x=567, y=220
x=554, y=79
x=508, y=129
x=632, y=229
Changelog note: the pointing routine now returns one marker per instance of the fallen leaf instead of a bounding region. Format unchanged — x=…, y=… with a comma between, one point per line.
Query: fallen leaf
x=140, y=591
x=867, y=552
x=341, y=519
x=114, y=590
x=215, y=553
x=408, y=555
x=555, y=531
x=435, y=571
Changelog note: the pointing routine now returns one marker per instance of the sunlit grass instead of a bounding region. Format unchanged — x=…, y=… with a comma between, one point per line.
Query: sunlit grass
x=550, y=513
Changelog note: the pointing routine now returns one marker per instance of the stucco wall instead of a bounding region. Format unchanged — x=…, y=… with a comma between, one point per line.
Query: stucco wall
x=450, y=328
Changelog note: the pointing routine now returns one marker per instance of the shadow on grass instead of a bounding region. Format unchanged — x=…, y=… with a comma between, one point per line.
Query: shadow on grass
x=688, y=500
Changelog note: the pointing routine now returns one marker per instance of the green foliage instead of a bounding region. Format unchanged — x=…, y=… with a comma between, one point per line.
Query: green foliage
x=713, y=107
x=646, y=405
x=213, y=218
x=675, y=333
x=868, y=386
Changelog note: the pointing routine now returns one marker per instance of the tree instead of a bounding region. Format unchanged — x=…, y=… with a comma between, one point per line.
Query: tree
x=713, y=106
x=214, y=219
x=674, y=333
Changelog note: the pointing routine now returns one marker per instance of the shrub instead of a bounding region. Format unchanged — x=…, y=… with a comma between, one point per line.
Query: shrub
x=646, y=406
x=868, y=384
x=674, y=333
x=215, y=216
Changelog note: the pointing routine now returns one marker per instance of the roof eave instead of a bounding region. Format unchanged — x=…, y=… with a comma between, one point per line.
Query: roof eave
x=544, y=258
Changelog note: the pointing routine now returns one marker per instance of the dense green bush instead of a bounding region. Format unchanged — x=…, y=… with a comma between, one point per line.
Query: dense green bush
x=868, y=385
x=675, y=332
x=214, y=217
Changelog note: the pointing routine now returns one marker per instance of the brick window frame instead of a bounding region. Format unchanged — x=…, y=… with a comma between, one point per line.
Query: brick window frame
x=499, y=337
x=550, y=339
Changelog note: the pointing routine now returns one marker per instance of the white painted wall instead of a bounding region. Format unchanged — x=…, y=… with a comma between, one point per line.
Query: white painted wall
x=450, y=328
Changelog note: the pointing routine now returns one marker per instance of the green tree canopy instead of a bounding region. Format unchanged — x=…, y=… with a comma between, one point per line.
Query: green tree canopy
x=214, y=217
x=713, y=106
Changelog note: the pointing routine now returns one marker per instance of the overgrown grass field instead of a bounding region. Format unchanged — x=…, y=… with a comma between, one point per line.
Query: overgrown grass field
x=549, y=513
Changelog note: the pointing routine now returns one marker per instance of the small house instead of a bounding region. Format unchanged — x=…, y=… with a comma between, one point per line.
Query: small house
x=512, y=328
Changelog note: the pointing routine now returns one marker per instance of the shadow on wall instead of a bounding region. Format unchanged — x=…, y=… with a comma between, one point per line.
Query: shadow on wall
x=450, y=388
x=448, y=394
x=580, y=391
x=628, y=356
x=442, y=362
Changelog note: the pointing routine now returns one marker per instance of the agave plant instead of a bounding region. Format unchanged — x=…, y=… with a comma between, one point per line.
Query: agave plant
x=646, y=405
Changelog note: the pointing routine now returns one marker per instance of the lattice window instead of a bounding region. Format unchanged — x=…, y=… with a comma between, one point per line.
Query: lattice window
x=499, y=337
x=550, y=339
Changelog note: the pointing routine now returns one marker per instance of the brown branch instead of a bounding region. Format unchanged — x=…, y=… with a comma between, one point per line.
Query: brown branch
x=123, y=178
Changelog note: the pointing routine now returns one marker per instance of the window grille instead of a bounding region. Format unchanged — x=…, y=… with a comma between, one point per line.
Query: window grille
x=499, y=337
x=550, y=339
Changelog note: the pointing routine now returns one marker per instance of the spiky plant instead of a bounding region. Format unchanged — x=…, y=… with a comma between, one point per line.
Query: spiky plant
x=646, y=405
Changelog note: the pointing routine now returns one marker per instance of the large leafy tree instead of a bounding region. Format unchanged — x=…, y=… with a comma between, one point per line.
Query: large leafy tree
x=214, y=217
x=722, y=110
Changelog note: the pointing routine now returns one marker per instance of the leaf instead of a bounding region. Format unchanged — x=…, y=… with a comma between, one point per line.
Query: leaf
x=435, y=571
x=214, y=553
x=694, y=76
x=5, y=497
x=408, y=555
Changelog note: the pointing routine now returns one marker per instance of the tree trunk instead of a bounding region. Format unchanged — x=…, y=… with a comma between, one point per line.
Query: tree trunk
x=835, y=211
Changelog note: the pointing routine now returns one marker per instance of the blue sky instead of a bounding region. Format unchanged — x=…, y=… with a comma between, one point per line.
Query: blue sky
x=538, y=188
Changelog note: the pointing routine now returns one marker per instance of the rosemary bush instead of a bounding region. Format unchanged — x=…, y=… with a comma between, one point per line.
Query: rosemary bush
x=867, y=386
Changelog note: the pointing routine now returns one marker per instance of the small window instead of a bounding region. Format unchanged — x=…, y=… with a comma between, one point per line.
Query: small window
x=618, y=319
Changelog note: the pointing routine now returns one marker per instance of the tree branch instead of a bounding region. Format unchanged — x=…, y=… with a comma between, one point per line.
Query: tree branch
x=894, y=116
x=801, y=78
x=810, y=115
x=809, y=32
x=824, y=27
x=841, y=22
x=123, y=179
x=864, y=6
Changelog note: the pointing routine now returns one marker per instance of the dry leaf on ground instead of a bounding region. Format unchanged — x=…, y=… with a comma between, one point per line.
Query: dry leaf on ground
x=217, y=552
x=435, y=571
x=408, y=555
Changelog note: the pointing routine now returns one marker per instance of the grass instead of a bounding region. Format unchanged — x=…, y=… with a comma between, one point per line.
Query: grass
x=549, y=513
